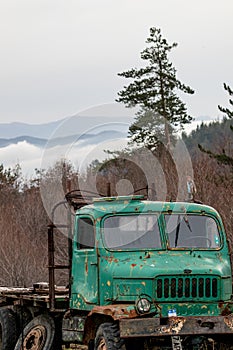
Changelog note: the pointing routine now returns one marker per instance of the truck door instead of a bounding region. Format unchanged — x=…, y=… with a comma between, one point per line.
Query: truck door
x=84, y=290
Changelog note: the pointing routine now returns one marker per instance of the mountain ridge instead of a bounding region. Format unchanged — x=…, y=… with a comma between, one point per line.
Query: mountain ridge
x=63, y=127
x=42, y=142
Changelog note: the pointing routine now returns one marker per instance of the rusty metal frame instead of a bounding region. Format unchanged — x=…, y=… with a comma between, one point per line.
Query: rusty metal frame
x=52, y=267
x=155, y=327
x=51, y=250
x=70, y=200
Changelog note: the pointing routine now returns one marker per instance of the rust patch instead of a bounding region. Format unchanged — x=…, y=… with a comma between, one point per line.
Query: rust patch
x=115, y=311
x=225, y=310
x=86, y=266
x=111, y=259
x=175, y=325
x=229, y=322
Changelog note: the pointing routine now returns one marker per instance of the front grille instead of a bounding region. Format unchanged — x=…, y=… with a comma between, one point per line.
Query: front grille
x=186, y=287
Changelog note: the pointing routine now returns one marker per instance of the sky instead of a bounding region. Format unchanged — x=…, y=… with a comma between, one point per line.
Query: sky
x=61, y=57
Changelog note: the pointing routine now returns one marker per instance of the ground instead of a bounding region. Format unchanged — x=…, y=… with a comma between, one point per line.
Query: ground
x=77, y=347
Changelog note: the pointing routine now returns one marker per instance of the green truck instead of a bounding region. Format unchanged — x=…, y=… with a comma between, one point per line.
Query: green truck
x=143, y=275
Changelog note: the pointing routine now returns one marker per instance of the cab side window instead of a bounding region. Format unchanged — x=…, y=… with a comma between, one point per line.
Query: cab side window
x=86, y=234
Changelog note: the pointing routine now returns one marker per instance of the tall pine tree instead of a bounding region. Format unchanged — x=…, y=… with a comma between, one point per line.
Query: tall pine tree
x=154, y=89
x=223, y=157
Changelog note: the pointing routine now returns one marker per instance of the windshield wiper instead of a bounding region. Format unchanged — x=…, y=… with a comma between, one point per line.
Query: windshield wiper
x=177, y=231
x=178, y=227
x=187, y=223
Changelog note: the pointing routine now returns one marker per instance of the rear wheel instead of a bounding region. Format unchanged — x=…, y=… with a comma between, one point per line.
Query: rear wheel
x=37, y=335
x=108, y=338
x=23, y=317
x=8, y=335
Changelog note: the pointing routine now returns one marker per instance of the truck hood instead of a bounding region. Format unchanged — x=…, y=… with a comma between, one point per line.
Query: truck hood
x=152, y=264
x=166, y=274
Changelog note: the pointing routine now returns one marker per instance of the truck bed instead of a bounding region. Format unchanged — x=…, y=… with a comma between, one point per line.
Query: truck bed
x=38, y=295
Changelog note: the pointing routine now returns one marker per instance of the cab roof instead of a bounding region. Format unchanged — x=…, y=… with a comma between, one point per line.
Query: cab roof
x=137, y=204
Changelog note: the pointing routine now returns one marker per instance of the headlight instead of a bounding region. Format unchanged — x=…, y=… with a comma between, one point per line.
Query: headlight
x=143, y=305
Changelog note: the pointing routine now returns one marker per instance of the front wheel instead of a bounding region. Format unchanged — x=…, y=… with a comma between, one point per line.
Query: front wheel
x=108, y=338
x=37, y=335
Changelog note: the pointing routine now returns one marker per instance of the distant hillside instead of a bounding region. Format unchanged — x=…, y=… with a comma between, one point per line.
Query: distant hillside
x=213, y=136
x=13, y=130
x=86, y=139
x=65, y=127
x=32, y=140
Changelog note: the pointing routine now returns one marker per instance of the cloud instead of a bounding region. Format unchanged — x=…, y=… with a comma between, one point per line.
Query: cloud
x=23, y=153
x=79, y=153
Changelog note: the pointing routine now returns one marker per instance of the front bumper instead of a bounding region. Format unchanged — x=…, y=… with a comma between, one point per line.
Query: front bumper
x=192, y=325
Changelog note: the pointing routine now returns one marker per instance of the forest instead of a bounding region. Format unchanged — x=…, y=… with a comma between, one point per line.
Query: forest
x=24, y=220
x=156, y=163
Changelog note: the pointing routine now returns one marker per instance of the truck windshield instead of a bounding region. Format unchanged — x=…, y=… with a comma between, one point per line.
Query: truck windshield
x=192, y=231
x=132, y=232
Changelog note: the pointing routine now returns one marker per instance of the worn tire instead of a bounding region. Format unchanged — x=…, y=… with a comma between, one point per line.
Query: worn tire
x=37, y=335
x=108, y=338
x=23, y=317
x=8, y=331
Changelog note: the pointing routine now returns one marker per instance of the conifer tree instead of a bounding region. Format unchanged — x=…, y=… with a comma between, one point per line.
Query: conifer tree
x=154, y=90
x=223, y=157
x=227, y=111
